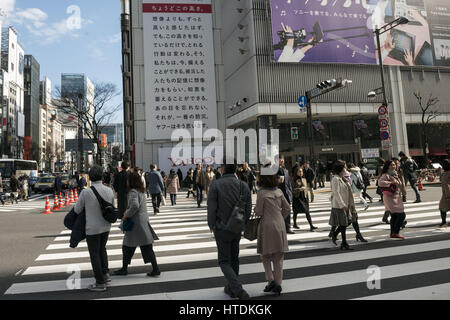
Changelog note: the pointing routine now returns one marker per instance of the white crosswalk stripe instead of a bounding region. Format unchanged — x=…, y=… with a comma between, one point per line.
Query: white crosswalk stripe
x=186, y=252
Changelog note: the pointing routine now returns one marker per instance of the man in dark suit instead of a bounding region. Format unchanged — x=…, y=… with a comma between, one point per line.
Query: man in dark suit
x=310, y=176
x=120, y=187
x=286, y=186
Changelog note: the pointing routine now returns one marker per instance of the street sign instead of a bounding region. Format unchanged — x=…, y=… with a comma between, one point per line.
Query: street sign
x=385, y=135
x=370, y=153
x=302, y=102
x=382, y=110
x=384, y=123
x=386, y=144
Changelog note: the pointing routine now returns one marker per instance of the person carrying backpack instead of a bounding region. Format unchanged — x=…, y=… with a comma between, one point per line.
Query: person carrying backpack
x=409, y=168
x=357, y=184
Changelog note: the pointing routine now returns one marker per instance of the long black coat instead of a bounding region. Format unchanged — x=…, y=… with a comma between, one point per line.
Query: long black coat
x=300, y=204
x=120, y=186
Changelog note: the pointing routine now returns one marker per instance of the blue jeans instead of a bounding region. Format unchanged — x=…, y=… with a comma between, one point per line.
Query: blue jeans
x=173, y=198
x=199, y=195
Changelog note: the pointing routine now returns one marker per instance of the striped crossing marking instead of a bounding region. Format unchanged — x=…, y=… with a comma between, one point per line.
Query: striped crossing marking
x=187, y=256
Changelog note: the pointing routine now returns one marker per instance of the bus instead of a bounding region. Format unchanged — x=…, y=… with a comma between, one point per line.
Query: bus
x=19, y=168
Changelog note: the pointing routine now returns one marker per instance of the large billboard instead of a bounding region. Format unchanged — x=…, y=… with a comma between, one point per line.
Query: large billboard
x=342, y=31
x=180, y=85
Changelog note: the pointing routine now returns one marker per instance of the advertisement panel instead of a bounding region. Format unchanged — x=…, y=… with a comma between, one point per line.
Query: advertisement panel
x=179, y=66
x=342, y=31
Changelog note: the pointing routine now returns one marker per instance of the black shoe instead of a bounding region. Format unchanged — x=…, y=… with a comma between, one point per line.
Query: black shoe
x=120, y=272
x=154, y=273
x=359, y=237
x=418, y=201
x=277, y=290
x=243, y=295
x=404, y=198
x=296, y=227
x=228, y=291
x=312, y=228
x=290, y=232
x=371, y=200
x=334, y=238
x=270, y=286
x=345, y=246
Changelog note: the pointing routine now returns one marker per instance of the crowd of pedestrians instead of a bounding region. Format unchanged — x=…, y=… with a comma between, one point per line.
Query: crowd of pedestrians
x=229, y=191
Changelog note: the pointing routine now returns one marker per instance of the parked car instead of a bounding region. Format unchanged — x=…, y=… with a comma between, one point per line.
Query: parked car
x=45, y=184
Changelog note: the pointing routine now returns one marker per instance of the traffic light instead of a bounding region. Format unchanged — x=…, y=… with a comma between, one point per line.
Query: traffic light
x=294, y=133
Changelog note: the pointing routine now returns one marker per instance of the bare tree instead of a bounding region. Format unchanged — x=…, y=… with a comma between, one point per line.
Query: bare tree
x=49, y=154
x=97, y=112
x=428, y=114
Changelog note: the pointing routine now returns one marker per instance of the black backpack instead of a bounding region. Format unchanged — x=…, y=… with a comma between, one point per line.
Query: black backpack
x=110, y=213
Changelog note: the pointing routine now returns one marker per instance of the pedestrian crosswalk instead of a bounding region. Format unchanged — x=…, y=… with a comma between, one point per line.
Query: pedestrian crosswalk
x=35, y=202
x=187, y=256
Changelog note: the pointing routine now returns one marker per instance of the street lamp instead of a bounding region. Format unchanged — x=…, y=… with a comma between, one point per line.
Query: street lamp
x=378, y=32
x=127, y=79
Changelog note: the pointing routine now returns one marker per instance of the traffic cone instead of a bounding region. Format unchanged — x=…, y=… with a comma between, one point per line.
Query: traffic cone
x=56, y=203
x=76, y=196
x=67, y=199
x=47, y=207
x=61, y=201
x=420, y=184
x=72, y=200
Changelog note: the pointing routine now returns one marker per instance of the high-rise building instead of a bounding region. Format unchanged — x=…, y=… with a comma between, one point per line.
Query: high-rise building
x=12, y=62
x=114, y=133
x=73, y=85
x=45, y=91
x=31, y=92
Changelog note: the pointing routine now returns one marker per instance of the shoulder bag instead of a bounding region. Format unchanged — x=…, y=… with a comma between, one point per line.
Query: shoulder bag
x=236, y=223
x=110, y=213
x=251, y=228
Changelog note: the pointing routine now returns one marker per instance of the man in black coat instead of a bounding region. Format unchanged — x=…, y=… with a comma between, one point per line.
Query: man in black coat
x=285, y=185
x=120, y=187
x=309, y=176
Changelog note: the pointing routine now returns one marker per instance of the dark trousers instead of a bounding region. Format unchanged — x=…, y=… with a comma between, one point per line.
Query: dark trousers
x=228, y=256
x=308, y=217
x=97, y=253
x=412, y=182
x=365, y=194
x=444, y=217
x=199, y=195
x=397, y=220
x=147, y=254
x=173, y=199
x=156, y=201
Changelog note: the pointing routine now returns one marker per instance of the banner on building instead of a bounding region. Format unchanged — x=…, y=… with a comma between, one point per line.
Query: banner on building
x=342, y=31
x=179, y=66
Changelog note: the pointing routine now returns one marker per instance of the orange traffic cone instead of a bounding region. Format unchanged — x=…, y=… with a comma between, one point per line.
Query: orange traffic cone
x=56, y=203
x=420, y=184
x=72, y=200
x=67, y=199
x=76, y=196
x=47, y=207
x=61, y=201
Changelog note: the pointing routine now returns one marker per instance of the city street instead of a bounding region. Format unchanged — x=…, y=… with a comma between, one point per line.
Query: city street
x=39, y=261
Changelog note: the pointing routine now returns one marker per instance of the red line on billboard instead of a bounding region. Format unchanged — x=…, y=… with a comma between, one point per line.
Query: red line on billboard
x=176, y=8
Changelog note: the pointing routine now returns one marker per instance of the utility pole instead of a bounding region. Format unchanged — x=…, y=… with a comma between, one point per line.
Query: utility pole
x=80, y=134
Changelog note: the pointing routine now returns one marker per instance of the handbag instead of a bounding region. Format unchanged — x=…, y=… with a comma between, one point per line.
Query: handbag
x=126, y=225
x=251, y=228
x=389, y=191
x=109, y=212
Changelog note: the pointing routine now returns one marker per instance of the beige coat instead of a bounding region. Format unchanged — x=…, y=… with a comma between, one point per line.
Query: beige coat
x=273, y=207
x=172, y=185
x=444, y=205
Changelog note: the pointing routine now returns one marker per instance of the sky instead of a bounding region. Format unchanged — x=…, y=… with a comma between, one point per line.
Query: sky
x=70, y=36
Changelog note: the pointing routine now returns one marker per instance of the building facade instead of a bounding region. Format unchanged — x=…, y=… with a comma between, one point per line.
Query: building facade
x=255, y=91
x=32, y=108
x=12, y=63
